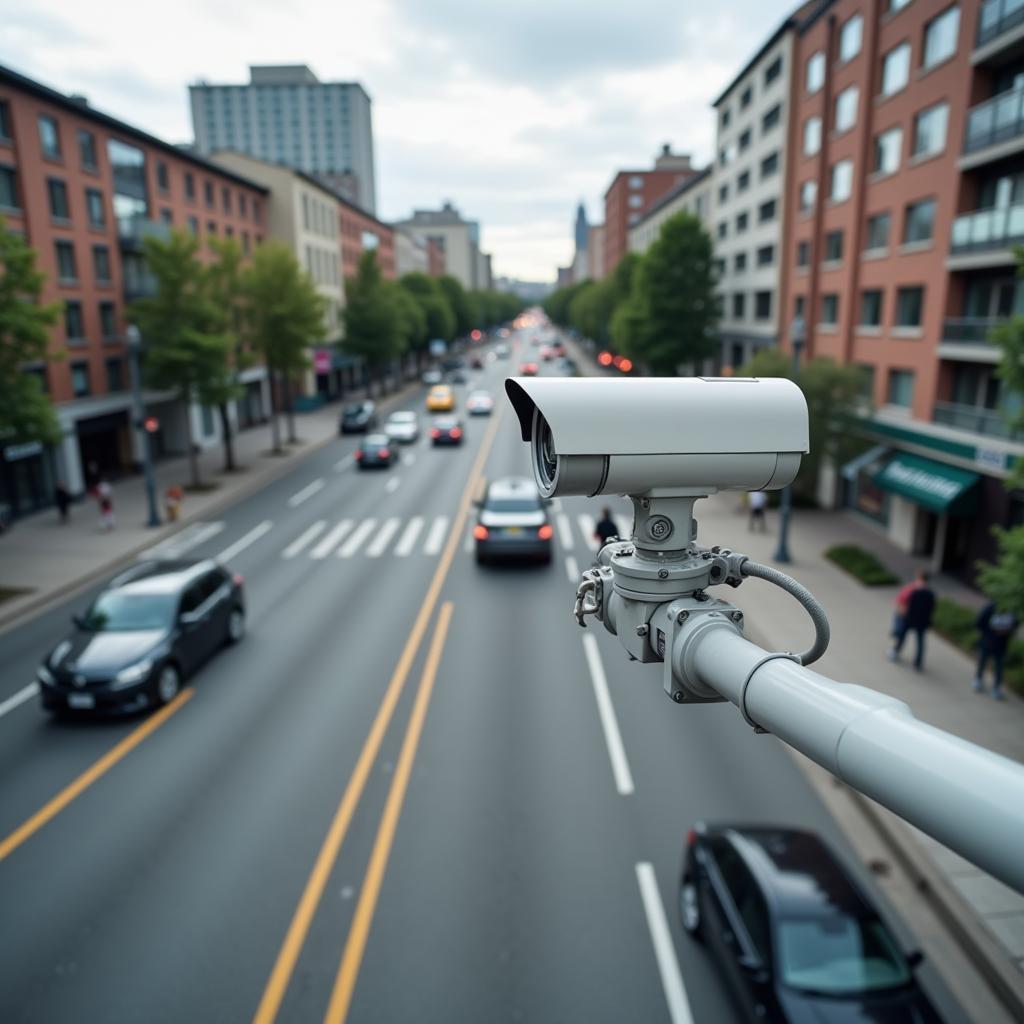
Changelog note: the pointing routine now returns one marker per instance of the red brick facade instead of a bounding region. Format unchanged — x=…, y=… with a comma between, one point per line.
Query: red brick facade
x=355, y=227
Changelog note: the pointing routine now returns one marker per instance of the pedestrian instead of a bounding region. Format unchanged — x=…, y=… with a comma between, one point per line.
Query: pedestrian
x=62, y=498
x=757, y=501
x=995, y=630
x=605, y=530
x=900, y=607
x=916, y=616
x=172, y=502
x=105, y=497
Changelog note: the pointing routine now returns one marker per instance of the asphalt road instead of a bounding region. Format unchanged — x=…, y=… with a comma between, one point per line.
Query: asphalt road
x=397, y=799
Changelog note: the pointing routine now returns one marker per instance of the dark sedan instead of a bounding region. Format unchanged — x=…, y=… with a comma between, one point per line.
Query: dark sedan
x=358, y=418
x=150, y=628
x=793, y=935
x=377, y=450
x=446, y=430
x=513, y=523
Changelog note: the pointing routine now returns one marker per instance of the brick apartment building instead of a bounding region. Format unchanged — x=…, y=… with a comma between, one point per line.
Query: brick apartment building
x=85, y=189
x=631, y=194
x=905, y=168
x=361, y=231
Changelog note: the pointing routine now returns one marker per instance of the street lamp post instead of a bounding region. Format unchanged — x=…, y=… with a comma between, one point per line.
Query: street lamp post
x=797, y=339
x=134, y=339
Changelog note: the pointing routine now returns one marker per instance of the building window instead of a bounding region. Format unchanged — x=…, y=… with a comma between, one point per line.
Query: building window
x=636, y=181
x=909, y=306
x=101, y=263
x=225, y=198
x=772, y=72
x=745, y=141
x=878, y=231
x=867, y=382
x=166, y=217
x=833, y=247
x=87, y=149
x=745, y=97
x=766, y=212
x=769, y=165
x=95, y=210
x=74, y=324
x=8, y=188
x=211, y=227
x=66, y=270
x=739, y=305
x=799, y=305
x=58, y=193
x=193, y=225
x=742, y=222
x=871, y=307
x=896, y=69
x=243, y=205
x=919, y=222
x=850, y=36
x=636, y=200
x=841, y=184
x=190, y=185
x=896, y=5
x=743, y=182
x=846, y=109
x=208, y=192
x=49, y=137
x=162, y=180
x=762, y=305
x=771, y=118
x=808, y=195
x=766, y=255
x=888, y=147
x=930, y=130
x=815, y=77
x=726, y=117
x=940, y=37
x=812, y=136
x=901, y=388
x=80, y=380
x=803, y=253
x=830, y=309
x=115, y=373
x=245, y=242
x=723, y=193
x=5, y=121
x=108, y=320
x=723, y=229
x=739, y=262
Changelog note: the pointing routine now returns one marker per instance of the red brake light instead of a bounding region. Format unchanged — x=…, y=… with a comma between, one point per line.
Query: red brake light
x=359, y=453
x=545, y=532
x=455, y=432
x=605, y=358
x=626, y=365
x=435, y=432
x=480, y=532
x=238, y=579
x=383, y=452
x=617, y=362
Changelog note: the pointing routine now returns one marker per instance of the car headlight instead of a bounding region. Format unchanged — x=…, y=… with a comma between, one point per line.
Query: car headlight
x=133, y=673
x=45, y=676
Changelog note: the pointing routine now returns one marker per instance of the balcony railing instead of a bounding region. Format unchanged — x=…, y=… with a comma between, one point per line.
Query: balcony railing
x=987, y=230
x=975, y=418
x=997, y=120
x=998, y=16
x=969, y=330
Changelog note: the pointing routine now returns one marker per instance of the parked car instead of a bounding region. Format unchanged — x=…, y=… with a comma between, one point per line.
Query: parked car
x=793, y=935
x=479, y=403
x=446, y=430
x=403, y=427
x=528, y=370
x=512, y=522
x=431, y=377
x=358, y=417
x=440, y=398
x=147, y=630
x=376, y=451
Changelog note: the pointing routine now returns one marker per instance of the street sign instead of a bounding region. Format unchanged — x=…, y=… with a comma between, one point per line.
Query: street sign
x=438, y=347
x=322, y=361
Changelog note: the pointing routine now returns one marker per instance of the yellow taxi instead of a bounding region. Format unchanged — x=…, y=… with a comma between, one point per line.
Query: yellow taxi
x=440, y=398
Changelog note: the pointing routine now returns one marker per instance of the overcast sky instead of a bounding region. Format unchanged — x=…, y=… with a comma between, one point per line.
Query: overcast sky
x=515, y=111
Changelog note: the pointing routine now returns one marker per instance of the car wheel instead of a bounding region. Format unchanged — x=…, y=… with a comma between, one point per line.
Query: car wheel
x=168, y=683
x=689, y=907
x=236, y=625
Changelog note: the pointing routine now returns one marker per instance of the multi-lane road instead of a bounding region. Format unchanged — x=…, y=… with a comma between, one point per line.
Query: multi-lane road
x=416, y=791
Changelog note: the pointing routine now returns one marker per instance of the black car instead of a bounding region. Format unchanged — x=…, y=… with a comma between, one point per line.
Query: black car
x=446, y=430
x=795, y=938
x=146, y=631
x=376, y=450
x=513, y=523
x=358, y=418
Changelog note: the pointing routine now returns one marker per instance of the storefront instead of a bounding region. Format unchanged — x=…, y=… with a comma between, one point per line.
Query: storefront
x=105, y=446
x=337, y=373
x=26, y=477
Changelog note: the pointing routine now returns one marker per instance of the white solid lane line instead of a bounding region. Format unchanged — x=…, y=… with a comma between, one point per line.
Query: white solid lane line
x=191, y=537
x=332, y=540
x=408, y=539
x=24, y=694
x=383, y=539
x=307, y=492
x=393, y=484
x=436, y=536
x=304, y=538
x=408, y=459
x=664, y=950
x=609, y=723
x=342, y=464
x=565, y=532
x=587, y=527
x=352, y=545
x=243, y=542
x=572, y=570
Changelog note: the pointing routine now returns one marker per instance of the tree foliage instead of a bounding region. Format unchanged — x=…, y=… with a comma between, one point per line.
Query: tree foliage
x=1003, y=581
x=459, y=302
x=433, y=299
x=26, y=414
x=374, y=318
x=1008, y=336
x=491, y=308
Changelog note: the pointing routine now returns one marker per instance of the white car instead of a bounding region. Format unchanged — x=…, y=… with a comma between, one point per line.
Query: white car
x=479, y=403
x=403, y=427
x=432, y=377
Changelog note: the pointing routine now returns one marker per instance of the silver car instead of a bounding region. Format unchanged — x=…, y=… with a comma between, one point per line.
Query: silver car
x=513, y=522
x=403, y=427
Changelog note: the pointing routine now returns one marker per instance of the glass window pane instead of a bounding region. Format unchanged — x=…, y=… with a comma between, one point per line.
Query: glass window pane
x=896, y=69
x=940, y=37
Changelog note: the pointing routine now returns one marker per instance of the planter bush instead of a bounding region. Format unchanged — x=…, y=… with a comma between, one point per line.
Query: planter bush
x=861, y=564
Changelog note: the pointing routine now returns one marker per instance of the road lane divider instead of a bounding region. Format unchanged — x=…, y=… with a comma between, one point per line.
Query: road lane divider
x=19, y=698
x=304, y=539
x=306, y=493
x=332, y=540
x=393, y=484
x=564, y=531
x=664, y=951
x=572, y=570
x=302, y=919
x=355, y=946
x=247, y=541
x=408, y=539
x=99, y=768
x=342, y=464
x=435, y=538
x=358, y=538
x=609, y=723
x=379, y=543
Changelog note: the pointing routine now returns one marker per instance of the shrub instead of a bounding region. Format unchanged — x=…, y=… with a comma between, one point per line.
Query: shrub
x=861, y=564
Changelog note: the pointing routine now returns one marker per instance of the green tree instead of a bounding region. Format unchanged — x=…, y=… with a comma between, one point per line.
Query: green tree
x=674, y=313
x=1009, y=338
x=1003, y=581
x=433, y=299
x=373, y=317
x=459, y=302
x=284, y=316
x=185, y=351
x=556, y=305
x=26, y=414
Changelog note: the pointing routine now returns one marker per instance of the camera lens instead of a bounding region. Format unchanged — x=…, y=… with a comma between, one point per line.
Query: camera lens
x=546, y=459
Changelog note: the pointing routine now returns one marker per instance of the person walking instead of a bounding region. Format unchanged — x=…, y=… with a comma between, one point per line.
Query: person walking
x=105, y=497
x=757, y=501
x=917, y=616
x=605, y=529
x=62, y=498
x=995, y=630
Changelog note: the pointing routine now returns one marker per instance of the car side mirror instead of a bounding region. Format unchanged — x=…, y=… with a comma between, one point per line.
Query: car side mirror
x=914, y=959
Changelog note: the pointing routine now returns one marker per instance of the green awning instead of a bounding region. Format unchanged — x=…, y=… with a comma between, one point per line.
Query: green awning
x=933, y=485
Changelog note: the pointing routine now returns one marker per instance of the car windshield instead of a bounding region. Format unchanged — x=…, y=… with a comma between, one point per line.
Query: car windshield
x=839, y=955
x=355, y=410
x=403, y=417
x=512, y=505
x=121, y=612
x=373, y=440
x=479, y=396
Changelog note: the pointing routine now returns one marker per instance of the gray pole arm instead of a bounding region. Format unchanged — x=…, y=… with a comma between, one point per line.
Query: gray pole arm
x=963, y=795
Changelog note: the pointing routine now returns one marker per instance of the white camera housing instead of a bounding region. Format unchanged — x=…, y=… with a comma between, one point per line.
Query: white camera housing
x=603, y=435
